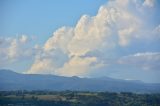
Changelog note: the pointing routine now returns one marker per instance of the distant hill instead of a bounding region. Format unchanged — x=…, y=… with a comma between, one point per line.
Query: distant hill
x=10, y=80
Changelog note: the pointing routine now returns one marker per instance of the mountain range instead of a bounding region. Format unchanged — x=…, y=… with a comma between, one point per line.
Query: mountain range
x=10, y=80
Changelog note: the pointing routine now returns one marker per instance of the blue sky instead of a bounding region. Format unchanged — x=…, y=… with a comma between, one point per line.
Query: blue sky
x=41, y=18
x=82, y=38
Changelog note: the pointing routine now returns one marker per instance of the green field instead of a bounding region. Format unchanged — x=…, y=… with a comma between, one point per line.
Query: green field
x=74, y=98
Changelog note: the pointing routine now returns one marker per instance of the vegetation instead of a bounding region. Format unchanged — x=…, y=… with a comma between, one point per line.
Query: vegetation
x=76, y=98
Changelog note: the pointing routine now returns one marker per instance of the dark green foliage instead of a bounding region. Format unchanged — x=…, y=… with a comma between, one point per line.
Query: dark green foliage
x=76, y=98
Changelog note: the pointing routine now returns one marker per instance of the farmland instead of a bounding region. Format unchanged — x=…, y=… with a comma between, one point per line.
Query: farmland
x=76, y=98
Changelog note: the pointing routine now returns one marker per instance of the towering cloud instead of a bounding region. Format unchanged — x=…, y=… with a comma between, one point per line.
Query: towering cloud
x=96, y=42
x=74, y=51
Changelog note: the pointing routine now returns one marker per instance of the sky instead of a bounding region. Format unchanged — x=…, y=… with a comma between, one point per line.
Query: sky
x=113, y=38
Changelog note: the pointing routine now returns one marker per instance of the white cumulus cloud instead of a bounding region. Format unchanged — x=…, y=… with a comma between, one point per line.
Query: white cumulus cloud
x=77, y=66
x=116, y=25
x=14, y=49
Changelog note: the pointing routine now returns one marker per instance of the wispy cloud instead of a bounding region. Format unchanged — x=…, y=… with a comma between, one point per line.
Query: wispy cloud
x=145, y=61
x=149, y=3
